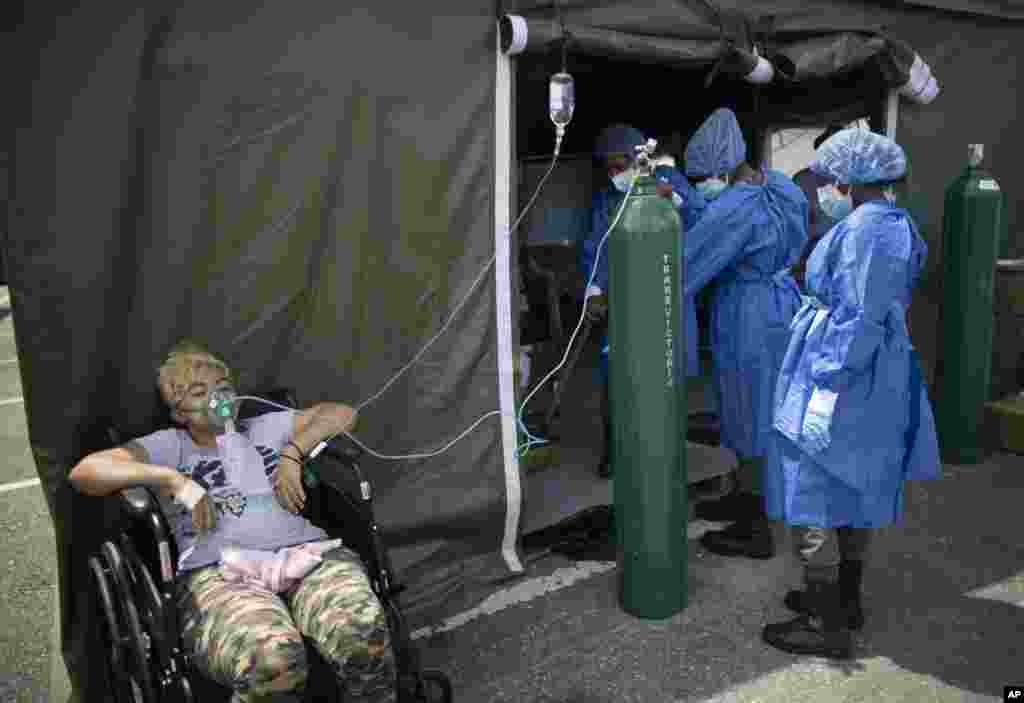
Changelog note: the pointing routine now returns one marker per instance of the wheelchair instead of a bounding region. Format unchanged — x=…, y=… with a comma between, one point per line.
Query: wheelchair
x=133, y=576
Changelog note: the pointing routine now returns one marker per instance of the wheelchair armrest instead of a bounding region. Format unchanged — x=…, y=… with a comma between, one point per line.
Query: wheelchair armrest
x=139, y=502
x=144, y=510
x=343, y=449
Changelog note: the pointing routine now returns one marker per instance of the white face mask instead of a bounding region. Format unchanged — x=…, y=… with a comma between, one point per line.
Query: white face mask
x=890, y=195
x=624, y=179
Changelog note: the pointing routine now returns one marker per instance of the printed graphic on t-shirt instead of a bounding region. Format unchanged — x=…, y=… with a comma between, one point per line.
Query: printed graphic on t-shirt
x=210, y=474
x=270, y=459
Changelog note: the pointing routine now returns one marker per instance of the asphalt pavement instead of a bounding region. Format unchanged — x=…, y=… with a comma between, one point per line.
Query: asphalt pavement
x=27, y=596
x=943, y=594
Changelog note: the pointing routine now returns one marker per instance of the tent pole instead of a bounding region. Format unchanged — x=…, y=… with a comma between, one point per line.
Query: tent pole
x=503, y=293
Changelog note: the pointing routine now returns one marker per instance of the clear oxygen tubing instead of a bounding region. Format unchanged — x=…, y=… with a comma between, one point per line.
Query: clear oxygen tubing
x=532, y=441
x=465, y=299
x=423, y=350
x=423, y=455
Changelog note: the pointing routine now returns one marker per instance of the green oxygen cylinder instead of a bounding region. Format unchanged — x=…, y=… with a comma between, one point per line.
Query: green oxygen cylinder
x=647, y=398
x=972, y=233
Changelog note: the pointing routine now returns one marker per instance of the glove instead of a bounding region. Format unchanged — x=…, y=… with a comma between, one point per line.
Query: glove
x=597, y=307
x=818, y=420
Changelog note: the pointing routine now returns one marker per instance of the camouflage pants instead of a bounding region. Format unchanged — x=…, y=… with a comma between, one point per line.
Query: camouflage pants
x=250, y=639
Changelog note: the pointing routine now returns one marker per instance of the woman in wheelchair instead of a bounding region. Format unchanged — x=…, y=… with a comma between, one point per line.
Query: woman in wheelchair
x=221, y=491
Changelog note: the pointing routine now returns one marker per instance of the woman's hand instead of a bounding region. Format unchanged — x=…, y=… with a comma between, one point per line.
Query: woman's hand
x=204, y=515
x=189, y=493
x=288, y=485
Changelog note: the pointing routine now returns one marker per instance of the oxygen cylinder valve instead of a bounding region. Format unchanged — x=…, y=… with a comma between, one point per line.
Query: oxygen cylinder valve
x=645, y=157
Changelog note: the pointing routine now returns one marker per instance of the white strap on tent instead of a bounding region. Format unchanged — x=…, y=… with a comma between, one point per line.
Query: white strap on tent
x=763, y=71
x=921, y=87
x=503, y=294
x=519, y=34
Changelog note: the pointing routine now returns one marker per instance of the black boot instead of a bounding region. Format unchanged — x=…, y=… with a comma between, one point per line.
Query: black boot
x=745, y=538
x=734, y=506
x=851, y=574
x=822, y=632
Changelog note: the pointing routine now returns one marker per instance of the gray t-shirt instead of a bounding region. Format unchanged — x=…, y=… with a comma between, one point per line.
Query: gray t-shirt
x=248, y=514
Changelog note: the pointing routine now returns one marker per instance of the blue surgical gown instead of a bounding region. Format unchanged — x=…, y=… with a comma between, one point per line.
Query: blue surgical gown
x=851, y=338
x=604, y=208
x=745, y=241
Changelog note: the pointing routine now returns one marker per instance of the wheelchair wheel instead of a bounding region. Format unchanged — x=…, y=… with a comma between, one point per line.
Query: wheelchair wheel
x=137, y=642
x=150, y=603
x=435, y=687
x=119, y=678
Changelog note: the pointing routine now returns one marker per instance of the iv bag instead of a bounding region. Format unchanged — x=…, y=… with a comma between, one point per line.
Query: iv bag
x=562, y=99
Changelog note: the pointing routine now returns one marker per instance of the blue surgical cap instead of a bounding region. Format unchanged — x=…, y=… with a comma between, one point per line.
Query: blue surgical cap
x=717, y=147
x=856, y=156
x=618, y=139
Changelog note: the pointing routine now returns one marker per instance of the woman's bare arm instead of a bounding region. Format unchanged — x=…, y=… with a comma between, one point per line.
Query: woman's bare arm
x=108, y=471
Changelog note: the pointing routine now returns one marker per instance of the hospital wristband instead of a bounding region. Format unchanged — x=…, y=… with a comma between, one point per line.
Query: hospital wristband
x=189, y=494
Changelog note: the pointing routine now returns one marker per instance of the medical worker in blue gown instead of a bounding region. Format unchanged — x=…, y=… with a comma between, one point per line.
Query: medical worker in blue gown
x=852, y=417
x=615, y=150
x=753, y=229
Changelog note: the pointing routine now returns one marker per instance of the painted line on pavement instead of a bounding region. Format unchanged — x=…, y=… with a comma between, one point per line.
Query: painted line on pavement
x=530, y=589
x=1009, y=591
x=12, y=401
x=6, y=487
x=521, y=593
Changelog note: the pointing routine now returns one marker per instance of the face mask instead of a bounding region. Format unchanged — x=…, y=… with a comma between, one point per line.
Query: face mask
x=833, y=203
x=623, y=179
x=221, y=406
x=217, y=407
x=890, y=196
x=711, y=188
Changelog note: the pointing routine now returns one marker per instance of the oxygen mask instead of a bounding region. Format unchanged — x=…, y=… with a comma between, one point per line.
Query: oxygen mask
x=222, y=406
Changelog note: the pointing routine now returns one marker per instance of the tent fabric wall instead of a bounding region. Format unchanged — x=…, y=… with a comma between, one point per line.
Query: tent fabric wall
x=801, y=40
x=1006, y=9
x=310, y=192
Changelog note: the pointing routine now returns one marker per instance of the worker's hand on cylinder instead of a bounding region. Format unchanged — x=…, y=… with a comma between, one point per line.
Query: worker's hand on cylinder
x=597, y=308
